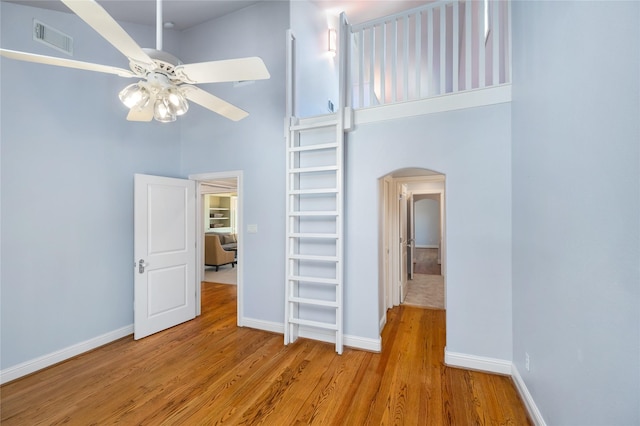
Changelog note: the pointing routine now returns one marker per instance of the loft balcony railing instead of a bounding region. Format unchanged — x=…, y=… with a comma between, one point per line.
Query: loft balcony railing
x=441, y=48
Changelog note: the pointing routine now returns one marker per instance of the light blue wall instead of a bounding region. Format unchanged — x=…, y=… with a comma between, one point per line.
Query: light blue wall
x=316, y=71
x=427, y=222
x=476, y=158
x=576, y=209
x=255, y=145
x=68, y=159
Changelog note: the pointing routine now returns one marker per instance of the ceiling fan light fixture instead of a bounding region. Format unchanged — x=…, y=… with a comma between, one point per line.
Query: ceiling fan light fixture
x=161, y=111
x=135, y=95
x=176, y=102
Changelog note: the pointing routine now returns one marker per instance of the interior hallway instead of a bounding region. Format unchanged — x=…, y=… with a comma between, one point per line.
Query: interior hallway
x=426, y=289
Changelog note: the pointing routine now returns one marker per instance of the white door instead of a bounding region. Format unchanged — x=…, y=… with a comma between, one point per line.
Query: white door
x=403, y=243
x=165, y=254
x=411, y=245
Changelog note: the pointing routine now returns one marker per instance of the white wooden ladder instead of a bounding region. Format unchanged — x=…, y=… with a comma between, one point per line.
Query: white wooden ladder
x=314, y=271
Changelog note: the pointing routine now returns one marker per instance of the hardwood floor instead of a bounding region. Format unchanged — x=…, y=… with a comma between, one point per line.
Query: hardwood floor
x=208, y=371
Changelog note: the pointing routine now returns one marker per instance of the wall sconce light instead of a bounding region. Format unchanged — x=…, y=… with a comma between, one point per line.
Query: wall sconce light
x=332, y=42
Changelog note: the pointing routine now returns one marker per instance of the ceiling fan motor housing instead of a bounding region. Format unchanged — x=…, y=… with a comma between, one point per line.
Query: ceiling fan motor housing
x=165, y=63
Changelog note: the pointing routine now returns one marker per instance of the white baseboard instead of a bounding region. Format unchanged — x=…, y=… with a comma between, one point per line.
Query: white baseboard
x=532, y=408
x=480, y=363
x=383, y=321
x=28, y=367
x=357, y=342
x=430, y=246
x=499, y=366
x=274, y=327
x=364, y=343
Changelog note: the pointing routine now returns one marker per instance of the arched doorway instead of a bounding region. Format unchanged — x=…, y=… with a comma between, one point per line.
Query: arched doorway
x=401, y=250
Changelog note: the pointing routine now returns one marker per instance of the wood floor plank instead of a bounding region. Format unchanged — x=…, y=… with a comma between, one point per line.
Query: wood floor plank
x=209, y=371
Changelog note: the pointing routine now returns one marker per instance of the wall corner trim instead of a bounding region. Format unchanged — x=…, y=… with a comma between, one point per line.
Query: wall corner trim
x=532, y=408
x=474, y=362
x=383, y=322
x=31, y=366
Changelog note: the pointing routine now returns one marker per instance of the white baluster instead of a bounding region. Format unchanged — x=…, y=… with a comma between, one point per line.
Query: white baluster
x=372, y=65
x=468, y=47
x=394, y=62
x=443, y=49
x=361, y=70
x=481, y=50
x=455, y=72
x=383, y=65
x=495, y=34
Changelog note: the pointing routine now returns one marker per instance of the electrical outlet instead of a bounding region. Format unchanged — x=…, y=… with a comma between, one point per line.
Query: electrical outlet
x=527, y=362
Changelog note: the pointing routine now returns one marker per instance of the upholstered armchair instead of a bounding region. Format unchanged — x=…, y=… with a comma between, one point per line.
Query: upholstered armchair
x=214, y=254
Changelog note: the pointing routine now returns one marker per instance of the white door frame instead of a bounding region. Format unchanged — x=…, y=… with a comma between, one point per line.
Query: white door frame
x=411, y=234
x=402, y=252
x=442, y=242
x=391, y=227
x=237, y=174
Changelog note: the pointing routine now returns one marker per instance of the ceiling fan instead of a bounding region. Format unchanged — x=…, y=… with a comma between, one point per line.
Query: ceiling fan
x=166, y=84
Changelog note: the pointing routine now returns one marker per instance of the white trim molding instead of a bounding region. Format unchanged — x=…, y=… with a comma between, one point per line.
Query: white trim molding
x=474, y=362
x=498, y=366
x=449, y=102
x=273, y=327
x=532, y=408
x=357, y=342
x=200, y=178
x=28, y=367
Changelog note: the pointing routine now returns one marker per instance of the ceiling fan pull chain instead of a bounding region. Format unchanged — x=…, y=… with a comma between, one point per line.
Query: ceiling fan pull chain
x=159, y=25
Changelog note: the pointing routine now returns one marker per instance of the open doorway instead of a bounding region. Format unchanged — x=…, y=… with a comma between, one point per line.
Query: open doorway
x=220, y=210
x=413, y=243
x=426, y=281
x=219, y=229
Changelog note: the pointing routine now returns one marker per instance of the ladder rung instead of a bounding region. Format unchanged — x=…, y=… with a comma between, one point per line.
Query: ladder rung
x=317, y=147
x=314, y=169
x=314, y=302
x=321, y=236
x=317, y=125
x=313, y=191
x=313, y=257
x=314, y=213
x=316, y=280
x=317, y=324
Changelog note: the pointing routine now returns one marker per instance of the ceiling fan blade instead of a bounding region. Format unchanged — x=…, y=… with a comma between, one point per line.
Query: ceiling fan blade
x=241, y=69
x=141, y=114
x=61, y=62
x=98, y=19
x=215, y=104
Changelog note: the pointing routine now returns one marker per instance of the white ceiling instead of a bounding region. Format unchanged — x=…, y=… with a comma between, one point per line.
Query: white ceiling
x=188, y=13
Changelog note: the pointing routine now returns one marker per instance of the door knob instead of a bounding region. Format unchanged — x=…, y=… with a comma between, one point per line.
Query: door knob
x=141, y=266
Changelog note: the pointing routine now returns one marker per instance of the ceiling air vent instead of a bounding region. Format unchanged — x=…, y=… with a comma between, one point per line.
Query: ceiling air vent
x=52, y=37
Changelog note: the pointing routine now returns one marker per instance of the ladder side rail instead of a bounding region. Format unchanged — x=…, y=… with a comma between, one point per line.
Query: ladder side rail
x=340, y=130
x=290, y=332
x=289, y=111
